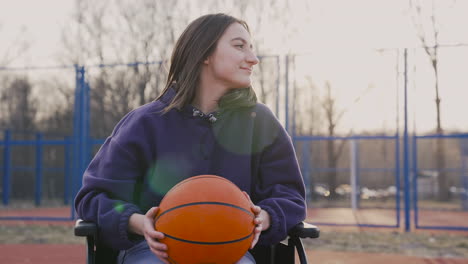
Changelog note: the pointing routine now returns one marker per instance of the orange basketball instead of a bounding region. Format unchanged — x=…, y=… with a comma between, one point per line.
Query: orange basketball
x=205, y=219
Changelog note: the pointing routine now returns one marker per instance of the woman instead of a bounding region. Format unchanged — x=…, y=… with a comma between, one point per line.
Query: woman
x=207, y=121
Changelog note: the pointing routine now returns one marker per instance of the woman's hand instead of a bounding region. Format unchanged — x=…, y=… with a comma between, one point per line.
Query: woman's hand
x=144, y=225
x=261, y=221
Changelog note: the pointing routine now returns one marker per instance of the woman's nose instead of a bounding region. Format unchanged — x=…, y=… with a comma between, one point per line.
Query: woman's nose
x=252, y=58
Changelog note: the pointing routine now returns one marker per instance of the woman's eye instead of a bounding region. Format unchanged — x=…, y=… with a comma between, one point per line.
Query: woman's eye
x=240, y=46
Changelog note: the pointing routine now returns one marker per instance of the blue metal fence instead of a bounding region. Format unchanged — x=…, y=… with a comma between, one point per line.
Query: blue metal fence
x=78, y=151
x=306, y=161
x=38, y=144
x=457, y=173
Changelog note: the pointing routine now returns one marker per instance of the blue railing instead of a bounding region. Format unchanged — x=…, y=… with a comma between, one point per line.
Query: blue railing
x=305, y=162
x=461, y=171
x=38, y=169
x=77, y=154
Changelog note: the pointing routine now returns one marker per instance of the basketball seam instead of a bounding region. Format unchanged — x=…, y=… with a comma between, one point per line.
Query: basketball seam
x=209, y=243
x=211, y=203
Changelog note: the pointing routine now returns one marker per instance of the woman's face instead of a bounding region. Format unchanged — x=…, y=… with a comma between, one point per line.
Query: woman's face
x=232, y=62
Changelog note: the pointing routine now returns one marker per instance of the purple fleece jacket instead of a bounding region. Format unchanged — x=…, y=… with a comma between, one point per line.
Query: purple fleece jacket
x=149, y=152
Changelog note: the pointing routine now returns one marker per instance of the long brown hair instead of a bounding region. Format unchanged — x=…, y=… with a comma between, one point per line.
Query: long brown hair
x=198, y=42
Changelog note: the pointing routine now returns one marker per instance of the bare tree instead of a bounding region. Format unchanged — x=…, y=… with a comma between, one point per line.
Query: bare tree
x=275, y=17
x=429, y=37
x=311, y=117
x=332, y=117
x=19, y=109
x=151, y=34
x=19, y=105
x=145, y=31
x=127, y=32
x=16, y=48
x=59, y=117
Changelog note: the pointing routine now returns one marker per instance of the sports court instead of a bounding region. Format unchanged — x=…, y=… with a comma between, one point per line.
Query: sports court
x=372, y=94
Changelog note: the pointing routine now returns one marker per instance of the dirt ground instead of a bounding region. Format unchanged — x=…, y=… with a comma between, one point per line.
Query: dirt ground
x=74, y=254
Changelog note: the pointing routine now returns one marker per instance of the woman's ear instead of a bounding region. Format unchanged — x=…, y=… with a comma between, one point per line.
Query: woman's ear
x=206, y=61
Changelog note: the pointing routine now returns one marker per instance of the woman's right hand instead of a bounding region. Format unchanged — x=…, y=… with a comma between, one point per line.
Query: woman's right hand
x=144, y=225
x=152, y=236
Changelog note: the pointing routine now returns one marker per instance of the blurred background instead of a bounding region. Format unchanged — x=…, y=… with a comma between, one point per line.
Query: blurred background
x=373, y=93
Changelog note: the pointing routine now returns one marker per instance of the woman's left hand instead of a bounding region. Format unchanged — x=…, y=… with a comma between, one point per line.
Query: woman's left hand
x=261, y=221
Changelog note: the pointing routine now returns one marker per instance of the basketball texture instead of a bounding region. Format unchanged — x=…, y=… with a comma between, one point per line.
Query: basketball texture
x=206, y=219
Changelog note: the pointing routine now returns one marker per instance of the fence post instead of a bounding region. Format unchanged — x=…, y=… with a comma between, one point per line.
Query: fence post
x=305, y=161
x=397, y=177
x=354, y=175
x=277, y=87
x=6, y=167
x=76, y=131
x=67, y=181
x=294, y=97
x=80, y=129
x=415, y=180
x=465, y=183
x=464, y=173
x=406, y=169
x=86, y=125
x=38, y=182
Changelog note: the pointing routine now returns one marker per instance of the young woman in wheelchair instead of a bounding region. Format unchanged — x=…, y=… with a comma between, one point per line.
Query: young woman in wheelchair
x=206, y=121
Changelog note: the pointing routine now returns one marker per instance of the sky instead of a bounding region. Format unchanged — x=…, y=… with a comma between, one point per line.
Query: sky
x=41, y=22
x=332, y=37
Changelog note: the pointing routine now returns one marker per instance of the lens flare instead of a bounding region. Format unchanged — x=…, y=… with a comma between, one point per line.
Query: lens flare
x=166, y=172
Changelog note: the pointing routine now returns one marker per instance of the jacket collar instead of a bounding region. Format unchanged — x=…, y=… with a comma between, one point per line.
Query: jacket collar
x=188, y=110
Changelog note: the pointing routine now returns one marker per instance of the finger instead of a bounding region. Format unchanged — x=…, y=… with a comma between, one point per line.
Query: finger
x=148, y=221
x=258, y=229
x=248, y=196
x=258, y=221
x=253, y=244
x=157, y=245
x=149, y=229
x=154, y=234
x=161, y=255
x=152, y=212
x=256, y=209
x=254, y=241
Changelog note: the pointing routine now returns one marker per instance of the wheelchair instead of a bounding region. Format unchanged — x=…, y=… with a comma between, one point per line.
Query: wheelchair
x=282, y=253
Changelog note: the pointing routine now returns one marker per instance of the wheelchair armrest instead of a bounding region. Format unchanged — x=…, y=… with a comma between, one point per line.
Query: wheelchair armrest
x=304, y=230
x=83, y=228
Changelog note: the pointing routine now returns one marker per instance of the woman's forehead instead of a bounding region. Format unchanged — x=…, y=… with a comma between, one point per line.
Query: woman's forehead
x=236, y=31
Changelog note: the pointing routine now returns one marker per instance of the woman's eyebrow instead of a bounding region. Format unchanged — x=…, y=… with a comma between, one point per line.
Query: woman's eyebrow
x=239, y=38
x=243, y=41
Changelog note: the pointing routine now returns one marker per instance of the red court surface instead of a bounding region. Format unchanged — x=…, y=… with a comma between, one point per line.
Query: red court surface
x=75, y=254
x=59, y=212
